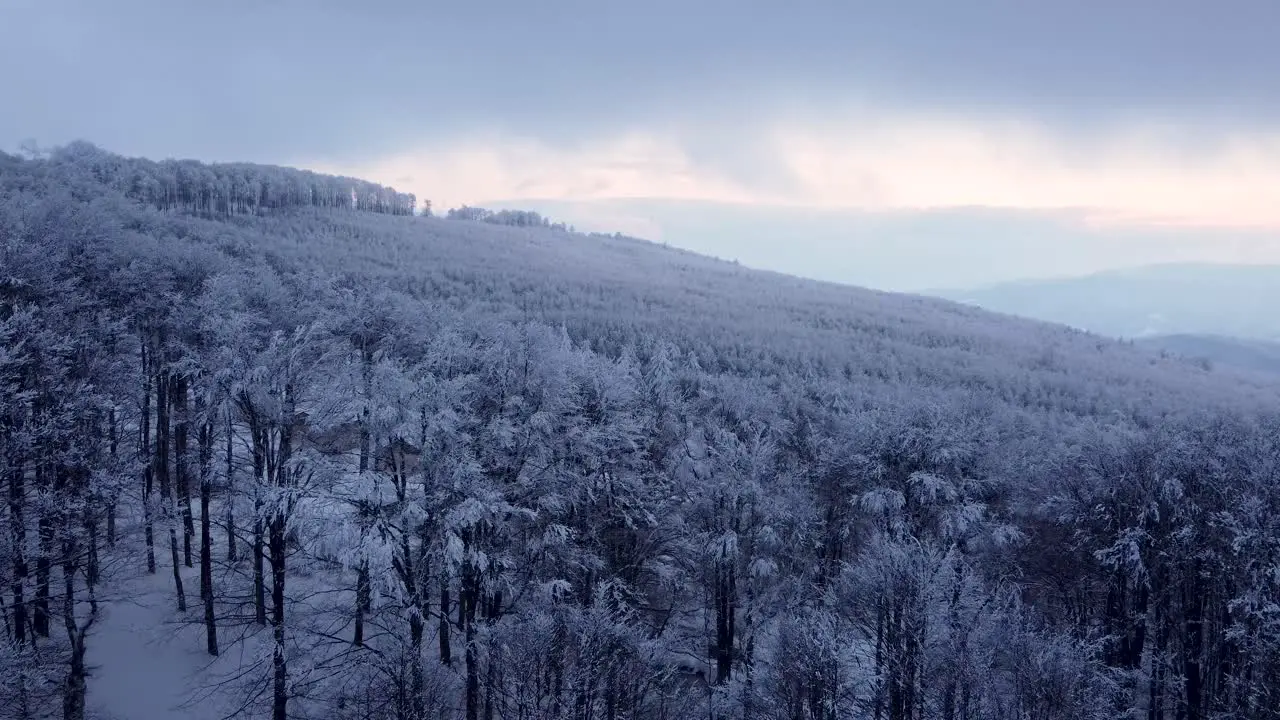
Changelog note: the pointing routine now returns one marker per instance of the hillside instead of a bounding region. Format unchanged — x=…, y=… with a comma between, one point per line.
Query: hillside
x=373, y=464
x=1197, y=299
x=609, y=291
x=1255, y=356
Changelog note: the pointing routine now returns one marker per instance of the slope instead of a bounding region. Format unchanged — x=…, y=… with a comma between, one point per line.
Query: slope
x=613, y=290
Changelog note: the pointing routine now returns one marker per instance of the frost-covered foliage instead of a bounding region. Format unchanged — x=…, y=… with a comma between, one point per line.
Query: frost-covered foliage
x=225, y=189
x=515, y=218
x=431, y=468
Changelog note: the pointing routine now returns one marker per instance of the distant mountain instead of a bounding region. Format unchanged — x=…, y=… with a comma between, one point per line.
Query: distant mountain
x=907, y=251
x=1175, y=299
x=1260, y=356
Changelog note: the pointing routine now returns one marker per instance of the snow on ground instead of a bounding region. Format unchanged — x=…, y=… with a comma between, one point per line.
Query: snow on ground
x=142, y=669
x=147, y=660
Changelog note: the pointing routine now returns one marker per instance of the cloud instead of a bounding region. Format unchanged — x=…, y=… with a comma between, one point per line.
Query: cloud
x=1108, y=117
x=279, y=80
x=896, y=201
x=1139, y=175
x=474, y=170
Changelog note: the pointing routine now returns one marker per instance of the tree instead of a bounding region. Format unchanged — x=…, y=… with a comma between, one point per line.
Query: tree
x=277, y=384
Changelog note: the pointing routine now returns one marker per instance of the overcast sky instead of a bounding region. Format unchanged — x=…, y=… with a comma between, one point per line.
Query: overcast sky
x=984, y=139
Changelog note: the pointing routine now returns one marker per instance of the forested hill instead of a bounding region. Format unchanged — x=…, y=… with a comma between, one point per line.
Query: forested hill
x=212, y=190
x=424, y=467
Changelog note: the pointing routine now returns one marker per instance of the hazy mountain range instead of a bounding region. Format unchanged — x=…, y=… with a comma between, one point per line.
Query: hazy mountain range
x=964, y=247
x=1212, y=299
x=1223, y=314
x=1239, y=353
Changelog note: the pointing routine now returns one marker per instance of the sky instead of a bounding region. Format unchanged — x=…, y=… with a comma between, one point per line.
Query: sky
x=903, y=144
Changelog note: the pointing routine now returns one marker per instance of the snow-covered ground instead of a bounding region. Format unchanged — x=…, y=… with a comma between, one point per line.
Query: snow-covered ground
x=145, y=668
x=147, y=660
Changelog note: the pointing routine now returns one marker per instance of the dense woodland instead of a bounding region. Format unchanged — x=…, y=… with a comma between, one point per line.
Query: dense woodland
x=515, y=218
x=225, y=189
x=428, y=468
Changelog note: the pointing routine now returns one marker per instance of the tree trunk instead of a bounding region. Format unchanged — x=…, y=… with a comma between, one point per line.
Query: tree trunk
x=363, y=600
x=44, y=531
x=74, y=484
x=950, y=693
x=93, y=567
x=114, y=429
x=1193, y=599
x=446, y=652
x=166, y=485
x=280, y=669
x=1136, y=636
x=467, y=601
x=40, y=608
x=417, y=699
x=232, y=554
x=74, y=685
x=1156, y=699
x=177, y=567
x=491, y=681
x=408, y=570
x=896, y=664
x=206, y=539
x=725, y=610
x=148, y=472
x=280, y=475
x=366, y=367
x=259, y=469
x=363, y=591
x=749, y=654
x=182, y=474
x=878, y=705
x=18, y=541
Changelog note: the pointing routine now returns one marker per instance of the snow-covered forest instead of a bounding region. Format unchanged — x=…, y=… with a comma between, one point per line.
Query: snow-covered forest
x=384, y=465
